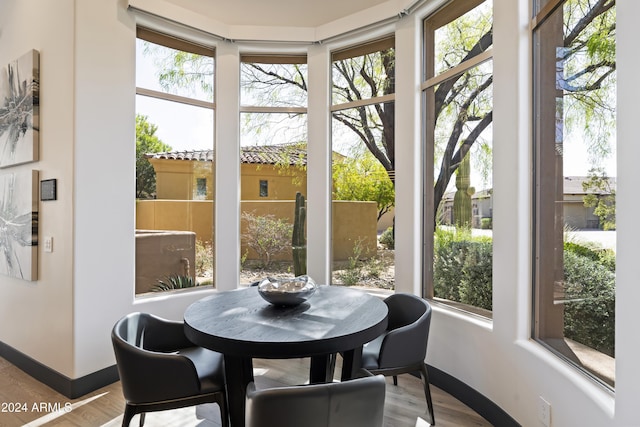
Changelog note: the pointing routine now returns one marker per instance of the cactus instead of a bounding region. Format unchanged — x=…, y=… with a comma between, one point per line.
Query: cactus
x=298, y=241
x=462, y=198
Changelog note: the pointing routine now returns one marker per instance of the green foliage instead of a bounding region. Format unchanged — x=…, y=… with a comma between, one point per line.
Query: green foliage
x=181, y=72
x=589, y=77
x=589, y=310
x=298, y=239
x=601, y=197
x=463, y=268
x=486, y=223
x=463, y=271
x=353, y=273
x=387, y=238
x=363, y=178
x=175, y=281
x=146, y=142
x=605, y=257
x=267, y=235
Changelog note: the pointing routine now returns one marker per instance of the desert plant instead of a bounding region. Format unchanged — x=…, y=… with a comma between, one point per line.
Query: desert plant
x=267, y=235
x=353, y=273
x=386, y=238
x=175, y=281
x=462, y=197
x=204, y=258
x=298, y=240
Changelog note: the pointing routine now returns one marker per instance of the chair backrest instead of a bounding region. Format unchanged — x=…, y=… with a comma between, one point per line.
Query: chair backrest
x=149, y=332
x=354, y=403
x=407, y=334
x=149, y=370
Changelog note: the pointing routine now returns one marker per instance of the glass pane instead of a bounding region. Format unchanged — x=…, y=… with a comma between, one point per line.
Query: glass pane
x=363, y=197
x=273, y=85
x=463, y=38
x=574, y=59
x=174, y=172
x=273, y=175
x=363, y=77
x=184, y=127
x=463, y=193
x=173, y=71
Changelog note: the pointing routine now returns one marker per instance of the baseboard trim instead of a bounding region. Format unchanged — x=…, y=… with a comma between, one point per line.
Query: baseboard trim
x=470, y=397
x=71, y=388
x=74, y=388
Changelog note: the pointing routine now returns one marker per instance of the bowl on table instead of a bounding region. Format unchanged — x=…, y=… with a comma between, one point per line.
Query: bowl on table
x=287, y=292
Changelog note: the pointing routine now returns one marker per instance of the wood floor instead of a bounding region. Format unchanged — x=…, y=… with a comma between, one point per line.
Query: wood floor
x=27, y=402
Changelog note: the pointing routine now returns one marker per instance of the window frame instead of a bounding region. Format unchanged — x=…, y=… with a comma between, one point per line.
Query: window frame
x=182, y=44
x=545, y=318
x=445, y=15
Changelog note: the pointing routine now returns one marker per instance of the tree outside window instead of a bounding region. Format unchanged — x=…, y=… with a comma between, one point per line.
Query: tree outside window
x=574, y=130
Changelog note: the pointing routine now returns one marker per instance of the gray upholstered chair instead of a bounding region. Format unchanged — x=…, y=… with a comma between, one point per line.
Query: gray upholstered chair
x=161, y=369
x=403, y=347
x=354, y=403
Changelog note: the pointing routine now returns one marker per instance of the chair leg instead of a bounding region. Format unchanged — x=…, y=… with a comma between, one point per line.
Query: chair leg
x=427, y=392
x=332, y=366
x=129, y=413
x=224, y=413
x=395, y=380
x=142, y=416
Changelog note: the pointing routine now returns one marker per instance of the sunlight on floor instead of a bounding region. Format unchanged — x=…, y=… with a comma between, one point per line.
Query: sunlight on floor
x=422, y=423
x=62, y=411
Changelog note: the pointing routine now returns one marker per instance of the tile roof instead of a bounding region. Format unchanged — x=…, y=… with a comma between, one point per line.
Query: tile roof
x=573, y=185
x=294, y=154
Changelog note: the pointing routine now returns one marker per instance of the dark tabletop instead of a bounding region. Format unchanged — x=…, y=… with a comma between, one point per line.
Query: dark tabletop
x=241, y=323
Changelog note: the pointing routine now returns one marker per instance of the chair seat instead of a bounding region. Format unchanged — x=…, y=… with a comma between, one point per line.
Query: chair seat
x=208, y=365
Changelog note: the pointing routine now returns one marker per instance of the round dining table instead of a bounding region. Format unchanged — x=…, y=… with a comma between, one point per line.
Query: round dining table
x=241, y=325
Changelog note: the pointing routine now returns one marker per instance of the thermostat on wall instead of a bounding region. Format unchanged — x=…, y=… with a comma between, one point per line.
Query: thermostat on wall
x=48, y=189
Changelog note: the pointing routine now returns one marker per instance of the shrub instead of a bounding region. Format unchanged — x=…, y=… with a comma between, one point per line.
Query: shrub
x=463, y=268
x=463, y=273
x=267, y=235
x=486, y=223
x=387, y=239
x=204, y=258
x=606, y=257
x=353, y=273
x=476, y=285
x=589, y=310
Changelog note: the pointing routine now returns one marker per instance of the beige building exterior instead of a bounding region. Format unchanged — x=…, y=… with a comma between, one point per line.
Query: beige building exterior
x=270, y=178
x=267, y=173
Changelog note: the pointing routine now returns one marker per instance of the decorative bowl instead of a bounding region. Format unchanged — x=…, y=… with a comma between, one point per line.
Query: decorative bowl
x=287, y=292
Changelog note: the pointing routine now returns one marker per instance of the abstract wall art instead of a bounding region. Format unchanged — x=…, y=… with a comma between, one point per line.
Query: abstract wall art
x=19, y=224
x=19, y=110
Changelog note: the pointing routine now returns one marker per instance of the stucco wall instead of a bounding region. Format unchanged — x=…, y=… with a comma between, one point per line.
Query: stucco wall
x=353, y=222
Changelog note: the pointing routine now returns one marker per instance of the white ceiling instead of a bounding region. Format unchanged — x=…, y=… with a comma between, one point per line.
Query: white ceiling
x=283, y=13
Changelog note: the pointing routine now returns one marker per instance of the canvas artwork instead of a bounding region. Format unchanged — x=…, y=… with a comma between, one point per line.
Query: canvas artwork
x=19, y=110
x=19, y=224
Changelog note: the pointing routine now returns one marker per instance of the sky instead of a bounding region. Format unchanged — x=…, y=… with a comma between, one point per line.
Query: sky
x=186, y=127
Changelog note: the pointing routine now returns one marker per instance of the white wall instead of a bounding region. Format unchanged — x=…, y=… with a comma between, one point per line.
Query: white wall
x=36, y=317
x=88, y=107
